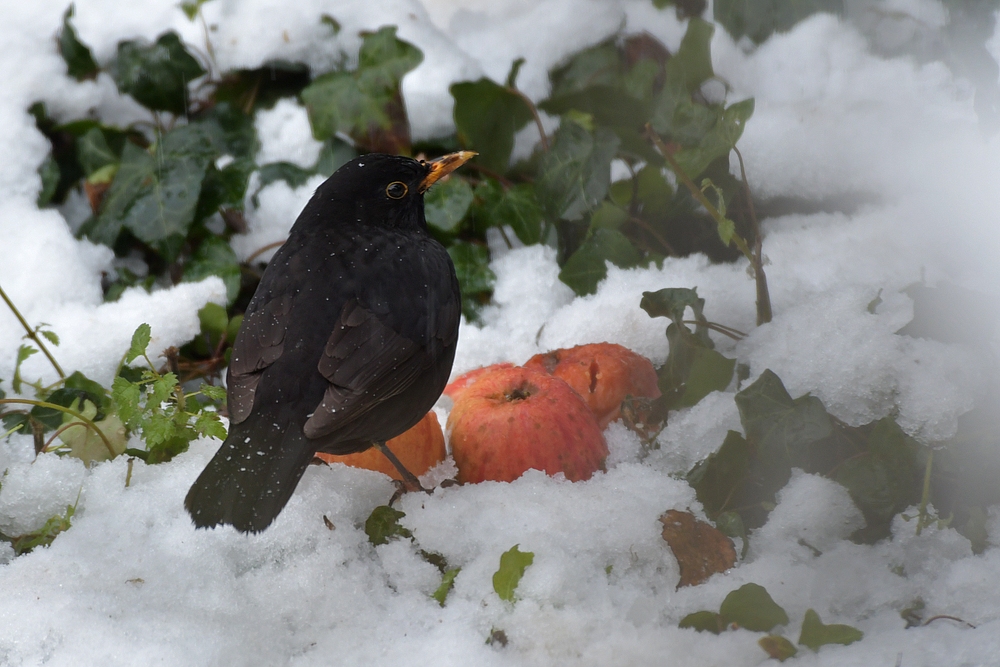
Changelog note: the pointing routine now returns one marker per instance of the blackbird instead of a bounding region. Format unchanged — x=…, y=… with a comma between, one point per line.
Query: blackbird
x=348, y=341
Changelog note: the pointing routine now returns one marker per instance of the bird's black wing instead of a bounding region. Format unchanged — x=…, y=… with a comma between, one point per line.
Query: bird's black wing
x=259, y=343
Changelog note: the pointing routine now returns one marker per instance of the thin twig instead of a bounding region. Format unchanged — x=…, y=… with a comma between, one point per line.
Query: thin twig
x=260, y=251
x=950, y=618
x=33, y=335
x=735, y=334
x=655, y=234
x=534, y=113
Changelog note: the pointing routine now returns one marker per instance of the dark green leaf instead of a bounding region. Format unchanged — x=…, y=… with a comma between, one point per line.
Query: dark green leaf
x=51, y=418
x=487, y=116
x=214, y=257
x=718, y=477
x=692, y=64
x=45, y=535
x=519, y=208
x=751, y=607
x=815, y=633
x=23, y=352
x=731, y=524
x=758, y=19
x=576, y=172
x=383, y=524
x=214, y=320
x=883, y=481
x=447, y=583
x=513, y=563
x=50, y=175
x=475, y=278
x=446, y=204
x=358, y=102
x=79, y=61
x=703, y=621
x=93, y=151
x=191, y=8
x=94, y=391
x=230, y=130
x=709, y=371
x=717, y=141
x=672, y=302
x=15, y=422
x=156, y=75
x=224, y=188
x=588, y=265
x=777, y=647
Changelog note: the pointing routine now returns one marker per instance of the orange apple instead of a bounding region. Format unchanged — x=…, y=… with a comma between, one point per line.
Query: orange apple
x=465, y=380
x=513, y=419
x=419, y=449
x=603, y=374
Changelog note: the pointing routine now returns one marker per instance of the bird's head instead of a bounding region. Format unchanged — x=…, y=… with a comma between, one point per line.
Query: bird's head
x=384, y=190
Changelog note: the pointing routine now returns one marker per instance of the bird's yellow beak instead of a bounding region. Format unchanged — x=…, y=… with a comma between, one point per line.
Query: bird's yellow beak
x=443, y=166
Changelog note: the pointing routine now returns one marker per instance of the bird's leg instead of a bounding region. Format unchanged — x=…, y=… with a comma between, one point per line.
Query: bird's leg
x=409, y=479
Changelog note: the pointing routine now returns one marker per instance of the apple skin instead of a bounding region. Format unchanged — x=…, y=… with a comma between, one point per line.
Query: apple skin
x=465, y=380
x=514, y=419
x=419, y=449
x=603, y=374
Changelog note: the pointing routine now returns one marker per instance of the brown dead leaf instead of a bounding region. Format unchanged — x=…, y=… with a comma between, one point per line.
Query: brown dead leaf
x=700, y=548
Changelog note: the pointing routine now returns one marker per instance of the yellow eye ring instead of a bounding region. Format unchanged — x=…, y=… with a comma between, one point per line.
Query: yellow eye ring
x=396, y=190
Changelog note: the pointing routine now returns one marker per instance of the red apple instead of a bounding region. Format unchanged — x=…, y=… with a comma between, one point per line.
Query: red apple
x=465, y=380
x=419, y=449
x=603, y=374
x=514, y=419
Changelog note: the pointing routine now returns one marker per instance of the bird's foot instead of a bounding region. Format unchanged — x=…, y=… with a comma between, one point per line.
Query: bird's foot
x=410, y=481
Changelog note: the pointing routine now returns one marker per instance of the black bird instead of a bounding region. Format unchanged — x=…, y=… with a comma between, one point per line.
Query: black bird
x=347, y=342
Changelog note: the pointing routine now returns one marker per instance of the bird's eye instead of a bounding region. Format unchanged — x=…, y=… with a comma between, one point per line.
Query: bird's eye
x=396, y=190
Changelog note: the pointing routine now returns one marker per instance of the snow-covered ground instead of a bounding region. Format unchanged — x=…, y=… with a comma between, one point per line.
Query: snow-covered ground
x=895, y=142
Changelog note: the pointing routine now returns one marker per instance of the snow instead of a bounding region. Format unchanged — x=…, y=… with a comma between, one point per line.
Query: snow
x=908, y=181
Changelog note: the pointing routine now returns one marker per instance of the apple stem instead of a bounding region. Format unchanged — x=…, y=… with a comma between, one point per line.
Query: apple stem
x=411, y=481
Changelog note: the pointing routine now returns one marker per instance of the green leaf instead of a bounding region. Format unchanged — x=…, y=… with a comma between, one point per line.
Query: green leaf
x=50, y=175
x=358, y=102
x=50, y=336
x=208, y=424
x=777, y=647
x=87, y=445
x=446, y=204
x=475, y=278
x=598, y=65
x=214, y=257
x=717, y=478
x=23, y=352
x=487, y=115
x=513, y=563
x=709, y=371
x=731, y=524
x=587, y=267
x=815, y=633
x=94, y=391
x=80, y=62
x=519, y=207
x=751, y=607
x=717, y=141
x=126, y=396
x=447, y=583
x=703, y=621
x=576, y=172
x=140, y=341
x=192, y=8
x=692, y=64
x=216, y=394
x=759, y=19
x=214, y=320
x=156, y=75
x=383, y=524
x=45, y=535
x=672, y=302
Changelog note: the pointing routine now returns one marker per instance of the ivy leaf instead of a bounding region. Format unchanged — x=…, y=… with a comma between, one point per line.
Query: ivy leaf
x=717, y=478
x=703, y=621
x=692, y=64
x=45, y=535
x=487, y=115
x=446, y=204
x=366, y=103
x=50, y=175
x=672, y=302
x=93, y=151
x=214, y=257
x=760, y=19
x=80, y=62
x=475, y=278
x=156, y=75
x=751, y=607
x=513, y=563
x=383, y=524
x=587, y=267
x=708, y=371
x=447, y=583
x=716, y=141
x=815, y=634
x=576, y=172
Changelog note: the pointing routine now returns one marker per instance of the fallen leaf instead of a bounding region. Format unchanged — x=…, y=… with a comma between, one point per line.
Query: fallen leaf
x=701, y=549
